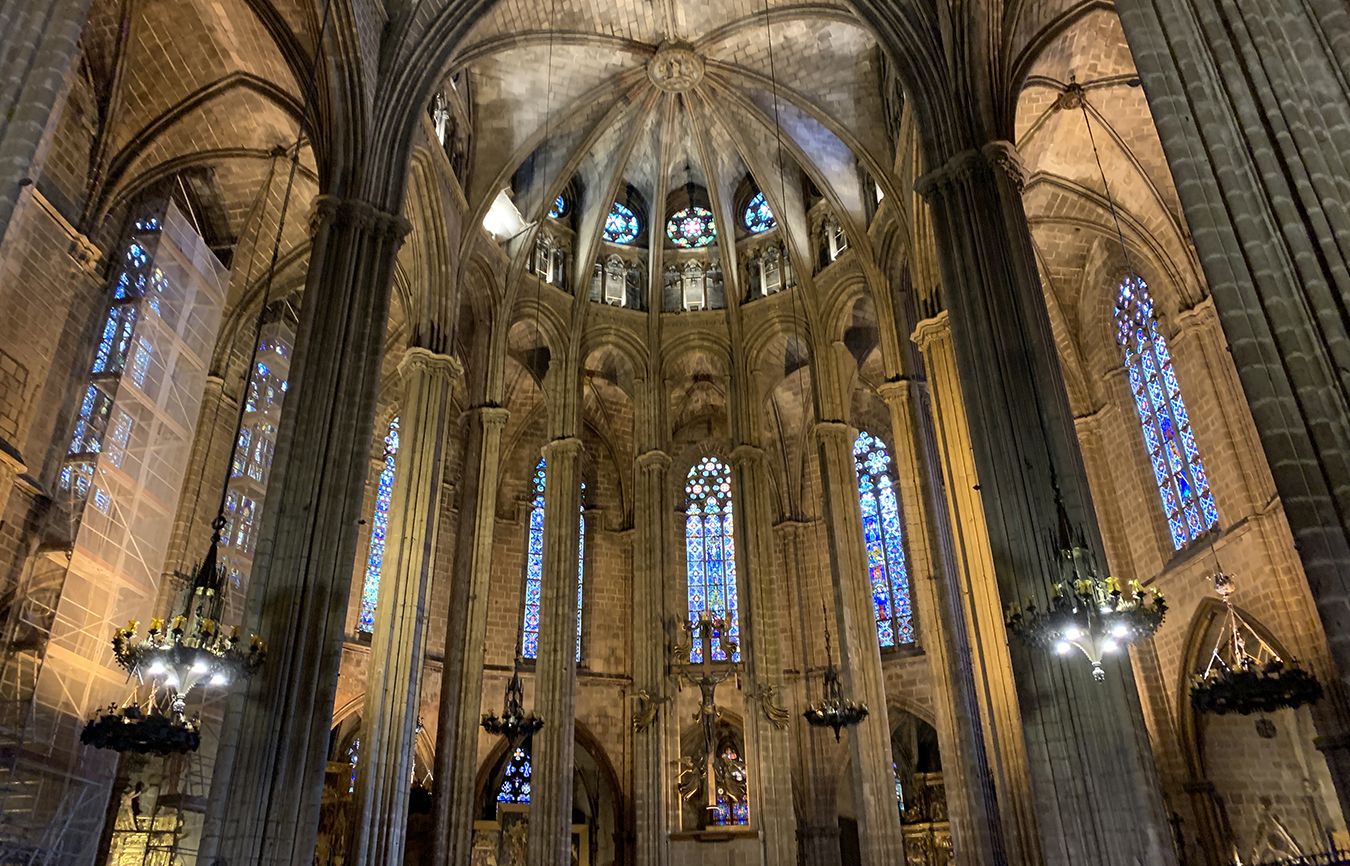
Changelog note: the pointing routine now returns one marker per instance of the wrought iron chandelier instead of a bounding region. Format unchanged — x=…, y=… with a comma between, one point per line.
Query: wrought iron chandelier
x=1087, y=612
x=1238, y=680
x=144, y=728
x=514, y=724
x=834, y=711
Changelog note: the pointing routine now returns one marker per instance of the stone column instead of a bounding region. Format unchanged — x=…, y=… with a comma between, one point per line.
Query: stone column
x=40, y=46
x=269, y=776
x=990, y=663
x=1253, y=111
x=869, y=743
x=1094, y=784
x=398, y=646
x=555, y=671
x=762, y=628
x=652, y=504
x=465, y=638
x=977, y=834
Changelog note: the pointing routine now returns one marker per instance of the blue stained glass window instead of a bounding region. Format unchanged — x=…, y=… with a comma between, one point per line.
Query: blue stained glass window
x=729, y=813
x=559, y=208
x=534, y=568
x=1178, y=470
x=758, y=215
x=384, y=492
x=515, y=787
x=353, y=758
x=710, y=551
x=883, y=536
x=621, y=226
x=692, y=227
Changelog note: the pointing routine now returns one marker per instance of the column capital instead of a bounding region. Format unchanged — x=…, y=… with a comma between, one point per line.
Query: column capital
x=836, y=430
x=566, y=446
x=360, y=214
x=898, y=391
x=936, y=329
x=419, y=360
x=653, y=459
x=491, y=416
x=1200, y=315
x=998, y=156
x=746, y=454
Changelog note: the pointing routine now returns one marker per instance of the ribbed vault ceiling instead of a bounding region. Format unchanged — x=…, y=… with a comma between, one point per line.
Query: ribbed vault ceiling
x=563, y=92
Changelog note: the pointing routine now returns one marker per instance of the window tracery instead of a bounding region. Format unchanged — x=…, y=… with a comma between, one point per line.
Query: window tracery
x=692, y=227
x=883, y=536
x=532, y=614
x=710, y=551
x=384, y=493
x=621, y=226
x=515, y=786
x=1178, y=470
x=758, y=216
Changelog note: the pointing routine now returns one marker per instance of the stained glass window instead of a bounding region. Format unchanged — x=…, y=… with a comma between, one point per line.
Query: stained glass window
x=534, y=567
x=384, y=492
x=1178, y=470
x=883, y=537
x=559, y=208
x=692, y=227
x=621, y=226
x=758, y=215
x=732, y=813
x=353, y=758
x=515, y=787
x=710, y=551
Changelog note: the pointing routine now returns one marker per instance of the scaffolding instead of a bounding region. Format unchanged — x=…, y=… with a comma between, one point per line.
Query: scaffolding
x=105, y=543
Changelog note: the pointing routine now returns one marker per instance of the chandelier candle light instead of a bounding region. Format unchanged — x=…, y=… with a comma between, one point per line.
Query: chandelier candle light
x=1087, y=612
x=1238, y=680
x=514, y=724
x=834, y=711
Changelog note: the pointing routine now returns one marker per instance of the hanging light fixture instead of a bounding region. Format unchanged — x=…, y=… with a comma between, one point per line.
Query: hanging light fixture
x=514, y=724
x=834, y=711
x=1244, y=674
x=1087, y=612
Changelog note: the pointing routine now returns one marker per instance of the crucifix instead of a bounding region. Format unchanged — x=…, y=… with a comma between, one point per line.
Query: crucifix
x=707, y=772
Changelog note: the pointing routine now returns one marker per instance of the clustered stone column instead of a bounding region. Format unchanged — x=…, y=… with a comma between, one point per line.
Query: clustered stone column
x=651, y=499
x=268, y=782
x=550, y=841
x=869, y=743
x=466, y=635
x=1252, y=107
x=1092, y=772
x=398, y=647
x=989, y=659
x=41, y=43
x=977, y=835
x=762, y=653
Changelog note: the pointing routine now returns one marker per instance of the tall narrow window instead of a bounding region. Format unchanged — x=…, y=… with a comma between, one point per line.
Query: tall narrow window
x=710, y=551
x=1177, y=468
x=379, y=526
x=884, y=539
x=534, y=567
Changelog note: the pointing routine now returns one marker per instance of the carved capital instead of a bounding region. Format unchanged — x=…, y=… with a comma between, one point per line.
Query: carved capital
x=567, y=447
x=836, y=431
x=745, y=455
x=419, y=361
x=652, y=460
x=1003, y=157
x=492, y=417
x=898, y=391
x=931, y=331
x=360, y=215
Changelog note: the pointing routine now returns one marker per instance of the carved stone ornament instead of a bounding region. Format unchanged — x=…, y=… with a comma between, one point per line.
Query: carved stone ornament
x=675, y=68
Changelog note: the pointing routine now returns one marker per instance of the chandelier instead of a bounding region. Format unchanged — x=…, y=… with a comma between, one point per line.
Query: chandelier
x=174, y=657
x=1087, y=612
x=514, y=724
x=834, y=711
x=1238, y=680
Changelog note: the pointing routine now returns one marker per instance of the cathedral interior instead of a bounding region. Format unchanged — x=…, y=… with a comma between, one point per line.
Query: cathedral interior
x=673, y=432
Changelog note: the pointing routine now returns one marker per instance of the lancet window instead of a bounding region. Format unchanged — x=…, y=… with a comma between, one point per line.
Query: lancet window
x=1178, y=471
x=515, y=786
x=379, y=527
x=532, y=615
x=883, y=537
x=710, y=551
